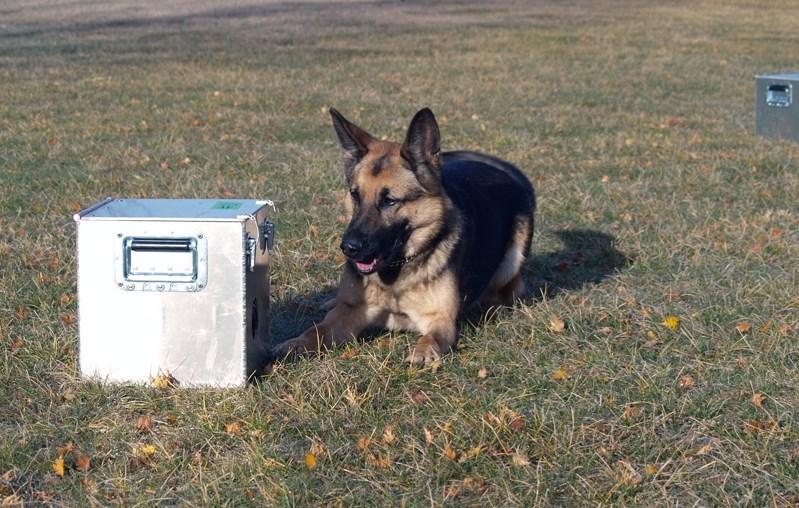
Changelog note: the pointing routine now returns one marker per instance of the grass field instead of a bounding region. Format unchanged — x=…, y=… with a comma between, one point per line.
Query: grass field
x=654, y=361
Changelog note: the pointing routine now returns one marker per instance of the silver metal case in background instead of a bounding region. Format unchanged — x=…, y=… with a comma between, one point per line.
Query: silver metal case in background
x=776, y=106
x=174, y=287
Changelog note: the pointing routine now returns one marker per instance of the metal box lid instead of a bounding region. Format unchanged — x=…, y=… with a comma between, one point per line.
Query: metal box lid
x=780, y=75
x=173, y=209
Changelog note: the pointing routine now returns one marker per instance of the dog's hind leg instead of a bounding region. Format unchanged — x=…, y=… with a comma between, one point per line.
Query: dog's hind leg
x=507, y=284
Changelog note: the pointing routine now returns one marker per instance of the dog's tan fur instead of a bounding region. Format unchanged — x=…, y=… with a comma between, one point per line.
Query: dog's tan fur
x=423, y=292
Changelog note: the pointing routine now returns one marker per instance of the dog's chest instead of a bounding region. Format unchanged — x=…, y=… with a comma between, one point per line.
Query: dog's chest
x=403, y=306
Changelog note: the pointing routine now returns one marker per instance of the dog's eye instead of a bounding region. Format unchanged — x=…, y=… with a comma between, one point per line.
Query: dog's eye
x=389, y=202
x=355, y=196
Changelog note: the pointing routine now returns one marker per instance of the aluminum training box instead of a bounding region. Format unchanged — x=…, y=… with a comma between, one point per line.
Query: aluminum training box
x=174, y=287
x=776, y=113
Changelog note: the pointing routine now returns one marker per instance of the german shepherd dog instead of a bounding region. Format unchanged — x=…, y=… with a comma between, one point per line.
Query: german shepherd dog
x=431, y=236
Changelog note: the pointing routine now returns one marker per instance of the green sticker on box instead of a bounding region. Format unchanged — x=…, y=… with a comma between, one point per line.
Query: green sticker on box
x=227, y=205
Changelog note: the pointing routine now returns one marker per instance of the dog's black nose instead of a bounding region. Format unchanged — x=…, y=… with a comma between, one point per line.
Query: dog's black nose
x=351, y=247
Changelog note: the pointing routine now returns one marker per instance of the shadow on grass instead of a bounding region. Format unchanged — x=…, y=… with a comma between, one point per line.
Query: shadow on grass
x=292, y=316
x=587, y=257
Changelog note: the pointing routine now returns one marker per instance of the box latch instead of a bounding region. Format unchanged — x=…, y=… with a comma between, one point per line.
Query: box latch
x=267, y=231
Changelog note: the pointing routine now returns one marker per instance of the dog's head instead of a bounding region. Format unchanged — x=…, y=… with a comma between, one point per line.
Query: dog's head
x=395, y=190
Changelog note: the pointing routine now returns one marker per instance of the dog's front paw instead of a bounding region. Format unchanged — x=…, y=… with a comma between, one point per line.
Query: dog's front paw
x=291, y=346
x=425, y=352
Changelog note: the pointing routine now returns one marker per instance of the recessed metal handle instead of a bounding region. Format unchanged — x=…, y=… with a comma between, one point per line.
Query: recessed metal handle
x=161, y=244
x=779, y=95
x=161, y=264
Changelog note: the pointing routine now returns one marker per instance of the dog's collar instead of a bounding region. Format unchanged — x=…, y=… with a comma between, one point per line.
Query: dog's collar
x=400, y=262
x=429, y=248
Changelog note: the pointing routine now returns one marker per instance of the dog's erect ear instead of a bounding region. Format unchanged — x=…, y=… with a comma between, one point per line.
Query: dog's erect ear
x=422, y=150
x=354, y=140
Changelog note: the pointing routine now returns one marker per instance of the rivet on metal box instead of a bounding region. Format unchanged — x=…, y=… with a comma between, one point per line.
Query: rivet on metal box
x=776, y=114
x=174, y=287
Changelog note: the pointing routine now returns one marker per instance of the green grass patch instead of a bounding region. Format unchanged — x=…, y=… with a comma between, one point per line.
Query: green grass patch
x=635, y=122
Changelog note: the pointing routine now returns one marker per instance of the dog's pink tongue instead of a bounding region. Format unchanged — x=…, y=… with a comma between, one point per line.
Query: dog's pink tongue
x=366, y=267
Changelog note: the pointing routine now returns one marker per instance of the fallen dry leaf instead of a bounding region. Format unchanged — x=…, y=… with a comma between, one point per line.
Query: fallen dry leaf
x=143, y=423
x=83, y=463
x=629, y=476
x=69, y=447
x=492, y=418
x=388, y=435
x=418, y=396
x=687, y=382
x=482, y=373
x=758, y=398
x=58, y=465
x=233, y=428
x=653, y=339
x=753, y=427
x=147, y=450
x=704, y=450
x=68, y=395
x=632, y=412
x=756, y=426
x=516, y=424
x=672, y=322
x=556, y=324
x=348, y=353
x=364, y=442
x=520, y=459
x=310, y=460
x=163, y=381
x=473, y=452
x=377, y=460
x=560, y=374
x=318, y=449
x=453, y=490
x=474, y=484
x=450, y=453
x=744, y=326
